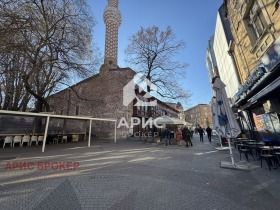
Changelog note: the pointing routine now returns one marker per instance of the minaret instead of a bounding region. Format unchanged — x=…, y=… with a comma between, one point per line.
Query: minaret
x=112, y=19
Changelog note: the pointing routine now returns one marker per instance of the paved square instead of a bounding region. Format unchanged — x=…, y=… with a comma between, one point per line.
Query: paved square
x=134, y=175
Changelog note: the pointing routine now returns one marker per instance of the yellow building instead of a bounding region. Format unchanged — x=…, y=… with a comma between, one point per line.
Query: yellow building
x=255, y=25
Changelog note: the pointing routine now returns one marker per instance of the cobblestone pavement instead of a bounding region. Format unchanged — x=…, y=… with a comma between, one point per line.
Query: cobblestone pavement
x=133, y=175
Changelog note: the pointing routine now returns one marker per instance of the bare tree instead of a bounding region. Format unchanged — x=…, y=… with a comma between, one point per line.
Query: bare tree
x=54, y=38
x=152, y=52
x=13, y=95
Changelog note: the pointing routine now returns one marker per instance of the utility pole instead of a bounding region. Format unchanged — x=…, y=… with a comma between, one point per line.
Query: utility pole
x=67, y=112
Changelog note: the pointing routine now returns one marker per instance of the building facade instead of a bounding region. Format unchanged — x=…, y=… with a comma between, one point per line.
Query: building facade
x=199, y=115
x=211, y=63
x=144, y=113
x=255, y=25
x=225, y=62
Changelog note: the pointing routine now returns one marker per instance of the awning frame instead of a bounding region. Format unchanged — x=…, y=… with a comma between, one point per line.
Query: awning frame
x=49, y=115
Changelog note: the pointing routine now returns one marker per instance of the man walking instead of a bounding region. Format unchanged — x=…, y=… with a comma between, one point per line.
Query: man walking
x=209, y=133
x=167, y=136
x=201, y=132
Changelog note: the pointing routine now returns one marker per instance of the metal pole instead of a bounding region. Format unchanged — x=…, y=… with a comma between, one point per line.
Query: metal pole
x=230, y=150
x=216, y=105
x=89, y=132
x=67, y=112
x=115, y=132
x=45, y=134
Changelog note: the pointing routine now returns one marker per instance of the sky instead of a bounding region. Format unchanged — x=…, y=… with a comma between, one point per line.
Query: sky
x=192, y=21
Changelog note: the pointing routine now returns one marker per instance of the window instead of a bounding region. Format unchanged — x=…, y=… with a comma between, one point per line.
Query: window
x=256, y=20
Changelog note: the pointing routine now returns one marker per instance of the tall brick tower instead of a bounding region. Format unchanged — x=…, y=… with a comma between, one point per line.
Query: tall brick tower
x=112, y=19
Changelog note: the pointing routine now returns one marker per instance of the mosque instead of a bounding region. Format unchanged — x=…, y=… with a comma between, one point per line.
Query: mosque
x=102, y=95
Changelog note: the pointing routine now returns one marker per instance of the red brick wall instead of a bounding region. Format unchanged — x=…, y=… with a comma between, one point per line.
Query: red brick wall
x=99, y=96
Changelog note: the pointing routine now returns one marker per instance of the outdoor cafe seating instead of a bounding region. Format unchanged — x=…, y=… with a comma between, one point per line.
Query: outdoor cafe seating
x=17, y=139
x=40, y=139
x=8, y=140
x=271, y=156
x=36, y=139
x=267, y=154
x=25, y=139
x=259, y=150
x=246, y=150
x=64, y=139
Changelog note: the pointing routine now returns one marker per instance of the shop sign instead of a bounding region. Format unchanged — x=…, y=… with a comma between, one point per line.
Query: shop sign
x=253, y=78
x=251, y=81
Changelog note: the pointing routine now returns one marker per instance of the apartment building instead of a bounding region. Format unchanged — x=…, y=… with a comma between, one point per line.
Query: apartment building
x=200, y=114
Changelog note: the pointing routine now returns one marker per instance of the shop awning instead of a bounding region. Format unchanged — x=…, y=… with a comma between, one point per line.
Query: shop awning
x=272, y=86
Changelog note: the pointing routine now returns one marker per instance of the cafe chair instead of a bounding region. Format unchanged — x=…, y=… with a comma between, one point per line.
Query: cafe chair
x=64, y=138
x=25, y=139
x=34, y=139
x=276, y=157
x=8, y=140
x=40, y=139
x=266, y=153
x=246, y=150
x=17, y=139
x=55, y=140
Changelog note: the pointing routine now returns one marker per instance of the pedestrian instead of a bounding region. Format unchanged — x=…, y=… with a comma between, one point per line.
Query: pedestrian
x=201, y=132
x=186, y=133
x=179, y=136
x=167, y=136
x=209, y=133
x=192, y=133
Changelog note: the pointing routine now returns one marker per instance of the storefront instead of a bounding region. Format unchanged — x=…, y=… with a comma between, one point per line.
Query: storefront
x=259, y=97
x=266, y=118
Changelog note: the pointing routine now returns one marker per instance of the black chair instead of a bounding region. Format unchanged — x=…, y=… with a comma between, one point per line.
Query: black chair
x=267, y=154
x=243, y=148
x=276, y=157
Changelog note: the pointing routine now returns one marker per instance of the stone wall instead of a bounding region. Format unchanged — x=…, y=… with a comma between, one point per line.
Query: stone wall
x=246, y=48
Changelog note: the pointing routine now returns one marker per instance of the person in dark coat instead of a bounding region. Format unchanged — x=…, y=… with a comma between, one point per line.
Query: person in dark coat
x=201, y=132
x=186, y=134
x=209, y=133
x=167, y=136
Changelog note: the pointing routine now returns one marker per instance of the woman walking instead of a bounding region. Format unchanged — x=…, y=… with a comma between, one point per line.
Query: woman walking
x=179, y=136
